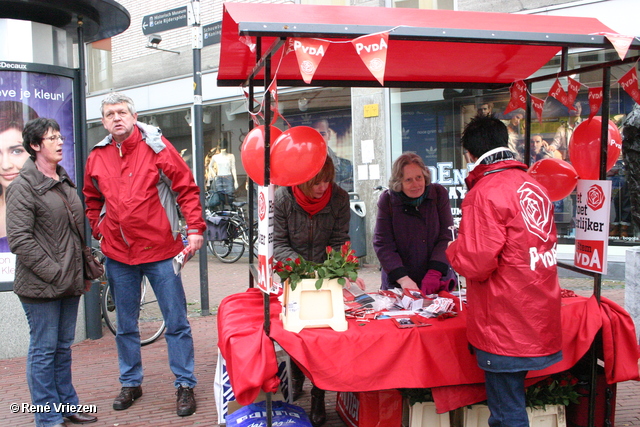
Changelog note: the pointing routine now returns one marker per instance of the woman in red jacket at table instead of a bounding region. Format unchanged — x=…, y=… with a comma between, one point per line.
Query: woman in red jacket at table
x=412, y=229
x=308, y=218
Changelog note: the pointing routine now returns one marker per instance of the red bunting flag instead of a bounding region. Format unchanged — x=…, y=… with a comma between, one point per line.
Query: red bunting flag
x=309, y=53
x=273, y=90
x=254, y=116
x=572, y=90
x=538, y=105
x=629, y=82
x=518, y=99
x=621, y=43
x=595, y=100
x=558, y=93
x=372, y=49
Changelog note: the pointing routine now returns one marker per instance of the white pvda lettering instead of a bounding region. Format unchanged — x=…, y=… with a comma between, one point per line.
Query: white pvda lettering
x=588, y=260
x=311, y=50
x=373, y=47
x=548, y=258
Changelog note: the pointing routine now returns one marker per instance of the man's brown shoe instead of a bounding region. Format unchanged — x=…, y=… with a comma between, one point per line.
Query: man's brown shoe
x=81, y=418
x=186, y=402
x=126, y=397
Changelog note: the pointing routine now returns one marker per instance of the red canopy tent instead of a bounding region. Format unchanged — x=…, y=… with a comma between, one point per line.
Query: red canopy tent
x=426, y=49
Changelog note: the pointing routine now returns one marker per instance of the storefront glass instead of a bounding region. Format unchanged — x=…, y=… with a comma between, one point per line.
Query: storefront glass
x=430, y=123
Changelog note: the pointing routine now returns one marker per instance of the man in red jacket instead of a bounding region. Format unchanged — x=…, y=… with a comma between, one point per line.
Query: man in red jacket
x=506, y=250
x=134, y=180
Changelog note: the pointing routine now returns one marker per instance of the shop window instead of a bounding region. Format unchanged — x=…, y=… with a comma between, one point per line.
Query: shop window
x=430, y=123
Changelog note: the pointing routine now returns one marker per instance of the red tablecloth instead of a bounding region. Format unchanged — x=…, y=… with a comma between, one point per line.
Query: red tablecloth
x=378, y=355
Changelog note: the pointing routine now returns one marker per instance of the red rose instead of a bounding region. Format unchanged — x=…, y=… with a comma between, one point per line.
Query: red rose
x=298, y=262
x=345, y=248
x=329, y=249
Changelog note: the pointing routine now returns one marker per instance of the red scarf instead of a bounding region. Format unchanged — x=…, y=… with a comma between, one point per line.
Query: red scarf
x=312, y=206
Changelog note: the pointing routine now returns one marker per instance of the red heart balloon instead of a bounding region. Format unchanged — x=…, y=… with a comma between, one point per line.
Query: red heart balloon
x=252, y=152
x=584, y=147
x=557, y=176
x=297, y=156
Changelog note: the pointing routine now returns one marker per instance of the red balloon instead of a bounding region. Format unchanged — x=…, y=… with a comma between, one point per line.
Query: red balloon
x=557, y=176
x=252, y=152
x=584, y=147
x=297, y=156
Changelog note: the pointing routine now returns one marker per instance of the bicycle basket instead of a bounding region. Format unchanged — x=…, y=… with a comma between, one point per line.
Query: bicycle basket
x=217, y=227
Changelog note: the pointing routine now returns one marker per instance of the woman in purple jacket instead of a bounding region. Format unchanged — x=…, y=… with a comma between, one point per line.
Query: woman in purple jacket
x=412, y=229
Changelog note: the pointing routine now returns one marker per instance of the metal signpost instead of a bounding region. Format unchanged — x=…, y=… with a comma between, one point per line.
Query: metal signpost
x=170, y=20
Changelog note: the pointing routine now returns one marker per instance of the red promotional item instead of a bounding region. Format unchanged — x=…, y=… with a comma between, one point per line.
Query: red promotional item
x=297, y=156
x=585, y=147
x=518, y=99
x=558, y=177
x=620, y=42
x=595, y=101
x=273, y=90
x=558, y=93
x=572, y=90
x=372, y=49
x=252, y=152
x=370, y=409
x=309, y=53
x=538, y=105
x=629, y=82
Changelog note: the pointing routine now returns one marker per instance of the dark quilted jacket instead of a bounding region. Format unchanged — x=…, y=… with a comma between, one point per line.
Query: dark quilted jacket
x=48, y=250
x=296, y=233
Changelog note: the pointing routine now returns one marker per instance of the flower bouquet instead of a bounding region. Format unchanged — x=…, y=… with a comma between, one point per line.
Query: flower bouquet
x=558, y=389
x=341, y=265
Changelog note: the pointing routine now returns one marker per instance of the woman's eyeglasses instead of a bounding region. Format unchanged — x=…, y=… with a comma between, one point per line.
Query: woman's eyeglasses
x=54, y=137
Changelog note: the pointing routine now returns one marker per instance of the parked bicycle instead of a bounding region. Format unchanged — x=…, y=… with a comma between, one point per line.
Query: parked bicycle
x=150, y=322
x=231, y=236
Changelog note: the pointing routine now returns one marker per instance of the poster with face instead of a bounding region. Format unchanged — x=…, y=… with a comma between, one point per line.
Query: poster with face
x=23, y=97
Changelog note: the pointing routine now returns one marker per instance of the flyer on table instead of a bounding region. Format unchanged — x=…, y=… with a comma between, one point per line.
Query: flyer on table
x=593, y=201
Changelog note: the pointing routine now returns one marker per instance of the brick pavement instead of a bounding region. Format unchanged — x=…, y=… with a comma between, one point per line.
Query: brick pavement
x=96, y=373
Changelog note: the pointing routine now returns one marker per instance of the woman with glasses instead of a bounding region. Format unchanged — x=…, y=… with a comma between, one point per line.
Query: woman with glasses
x=44, y=221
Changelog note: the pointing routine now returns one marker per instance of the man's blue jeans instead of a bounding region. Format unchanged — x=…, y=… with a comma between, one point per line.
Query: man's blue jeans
x=52, y=328
x=506, y=399
x=125, y=287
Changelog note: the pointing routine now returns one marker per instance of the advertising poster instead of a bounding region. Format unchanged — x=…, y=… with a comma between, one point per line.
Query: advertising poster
x=25, y=96
x=265, y=240
x=593, y=201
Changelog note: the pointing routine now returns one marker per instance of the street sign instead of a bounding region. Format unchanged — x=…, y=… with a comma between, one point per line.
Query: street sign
x=211, y=33
x=166, y=20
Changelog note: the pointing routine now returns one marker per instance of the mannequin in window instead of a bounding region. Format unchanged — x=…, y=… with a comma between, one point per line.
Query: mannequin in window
x=208, y=167
x=223, y=167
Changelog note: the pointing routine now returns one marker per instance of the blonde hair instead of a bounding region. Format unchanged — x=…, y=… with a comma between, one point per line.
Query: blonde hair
x=326, y=174
x=397, y=170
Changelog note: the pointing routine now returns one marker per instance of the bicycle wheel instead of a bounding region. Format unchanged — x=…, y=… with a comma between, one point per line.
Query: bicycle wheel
x=230, y=249
x=150, y=323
